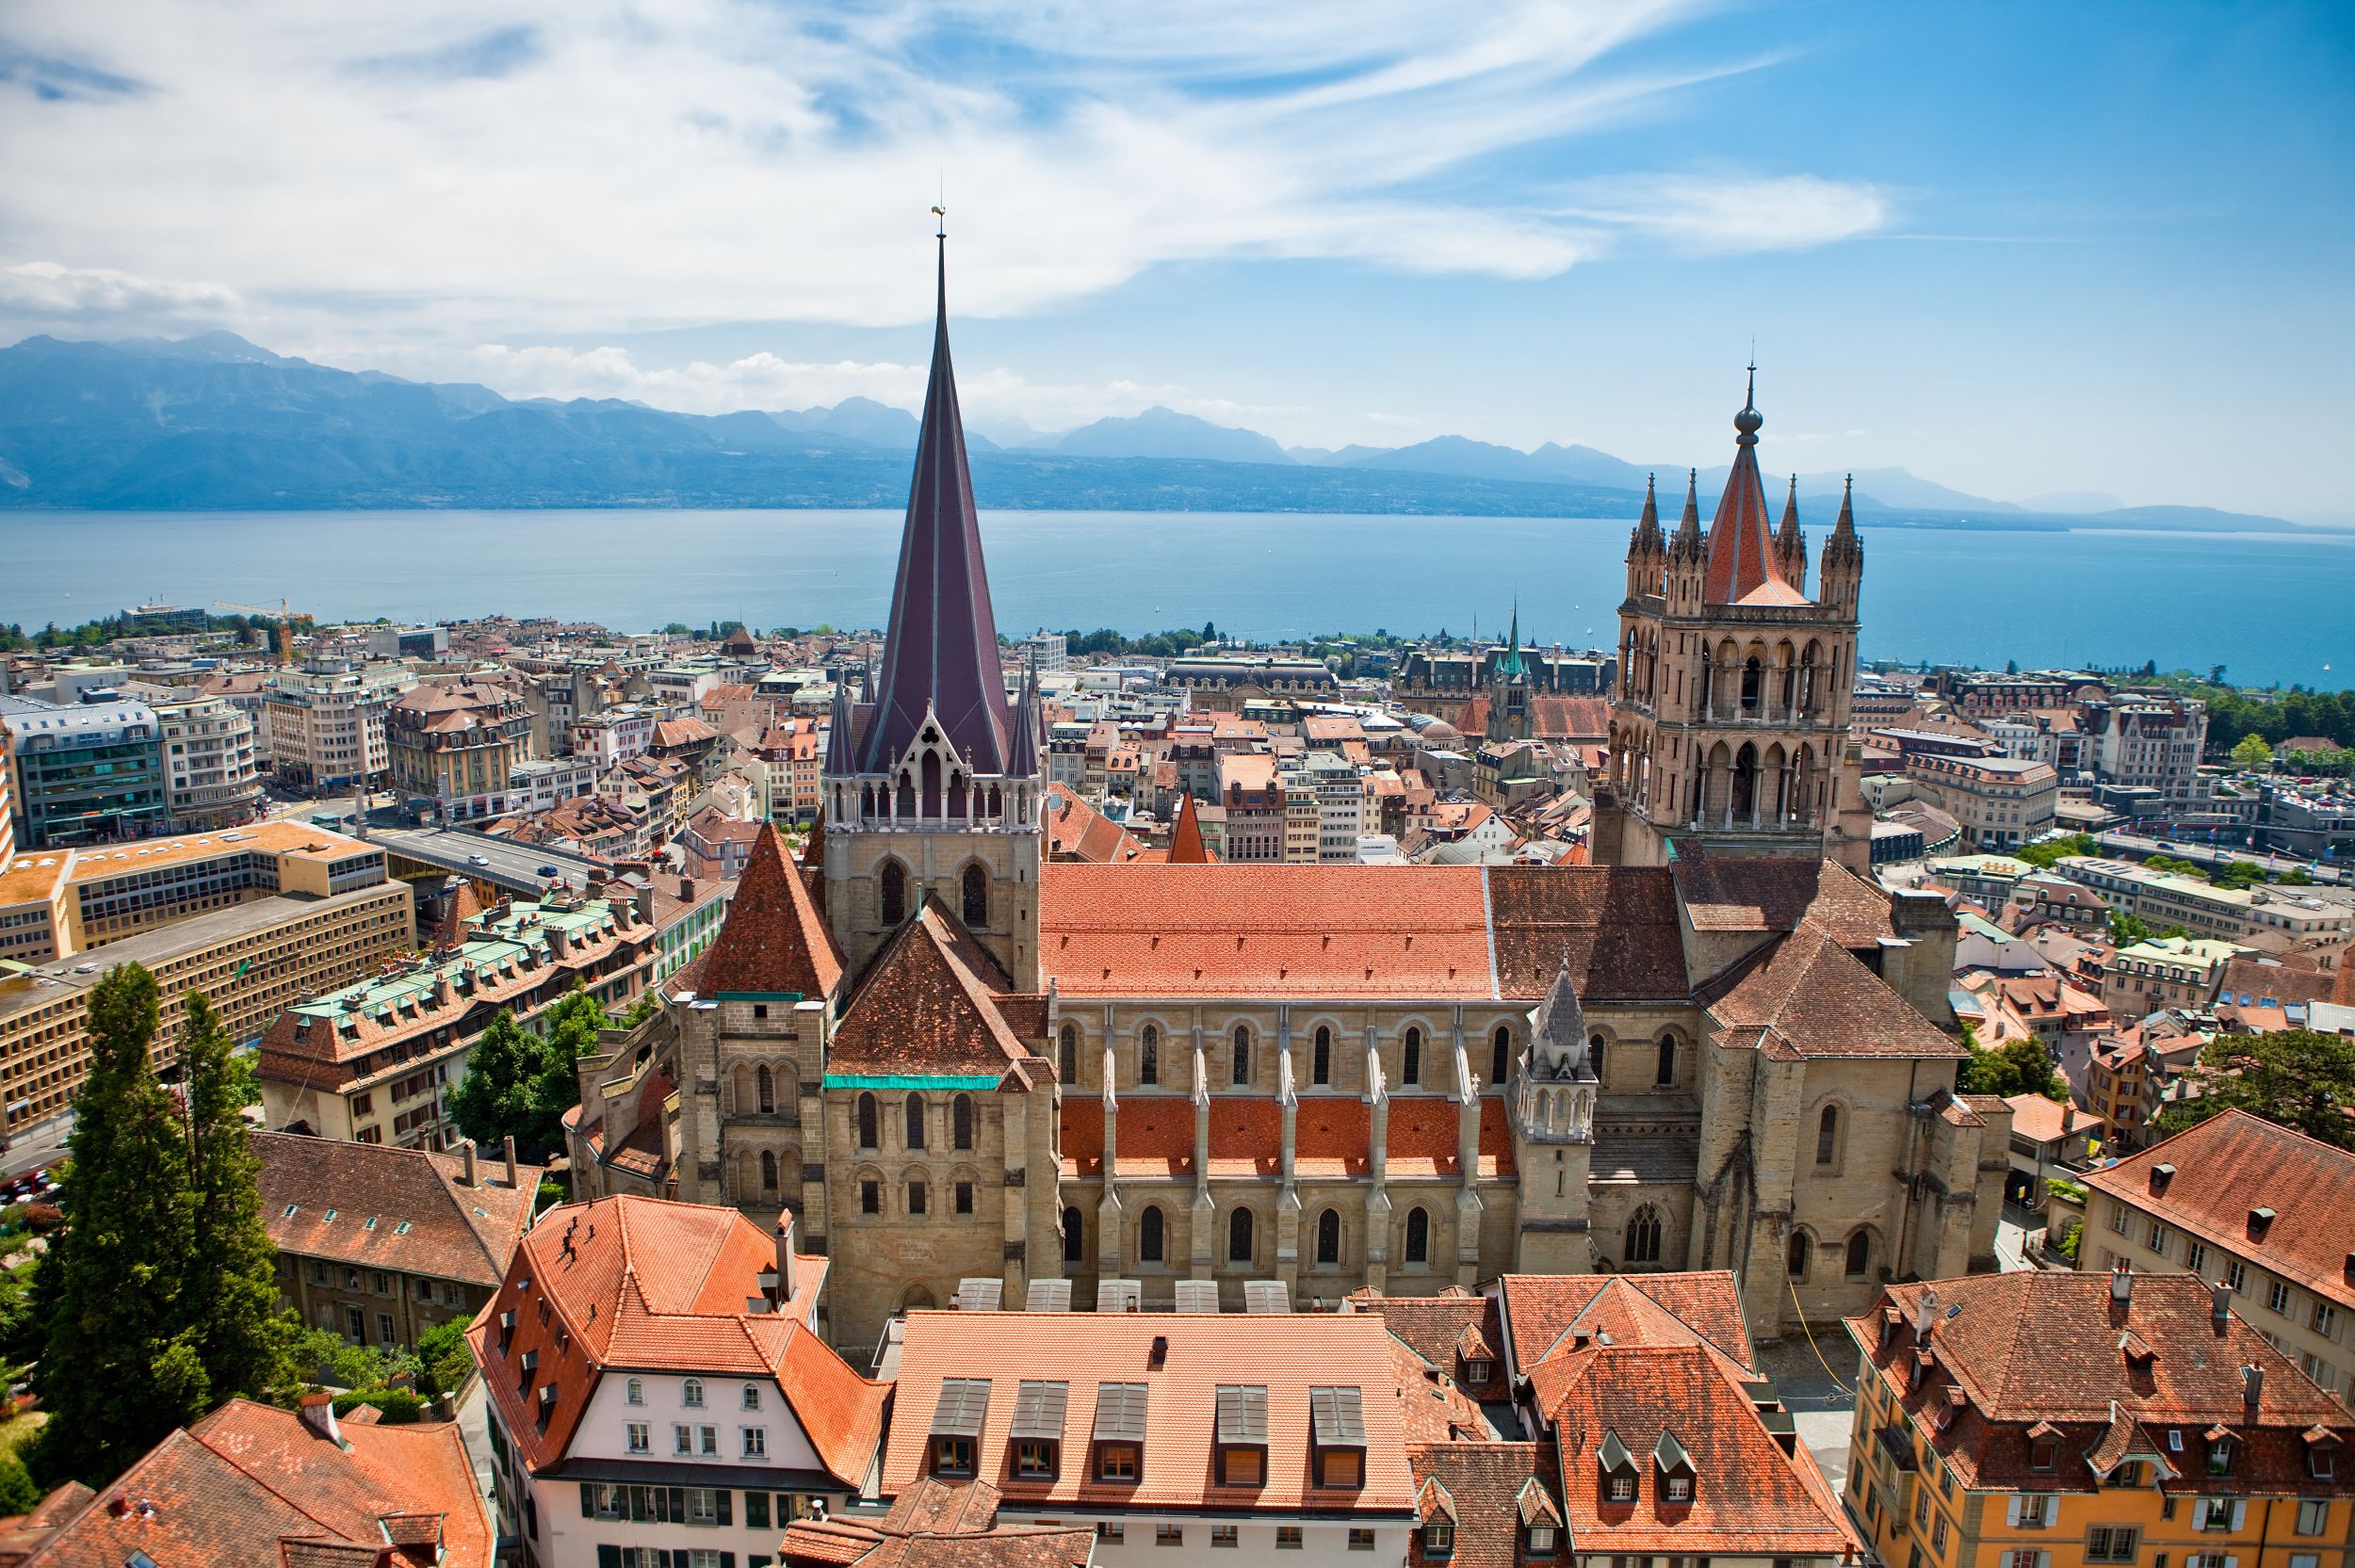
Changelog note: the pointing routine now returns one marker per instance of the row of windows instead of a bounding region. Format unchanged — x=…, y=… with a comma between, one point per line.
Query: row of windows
x=1411, y=1054
x=912, y=1118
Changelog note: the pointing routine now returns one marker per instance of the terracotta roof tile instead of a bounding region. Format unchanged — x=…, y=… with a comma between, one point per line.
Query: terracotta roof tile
x=773, y=939
x=1541, y=1310
x=1437, y=1326
x=1809, y=994
x=403, y=1210
x=923, y=1008
x=1733, y=892
x=1615, y=925
x=1484, y=1484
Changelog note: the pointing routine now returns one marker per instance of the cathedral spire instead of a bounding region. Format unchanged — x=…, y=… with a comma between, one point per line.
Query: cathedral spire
x=1741, y=564
x=1511, y=667
x=941, y=652
x=1689, y=529
x=1648, y=525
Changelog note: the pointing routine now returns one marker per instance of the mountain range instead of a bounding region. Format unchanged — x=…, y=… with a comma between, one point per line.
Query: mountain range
x=216, y=423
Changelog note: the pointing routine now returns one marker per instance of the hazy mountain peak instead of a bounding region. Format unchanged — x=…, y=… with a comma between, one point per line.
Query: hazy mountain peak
x=1159, y=432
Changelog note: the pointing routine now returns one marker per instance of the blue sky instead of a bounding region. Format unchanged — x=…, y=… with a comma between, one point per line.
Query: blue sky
x=2020, y=249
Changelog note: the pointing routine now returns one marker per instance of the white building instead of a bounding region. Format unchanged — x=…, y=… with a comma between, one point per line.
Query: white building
x=657, y=1383
x=327, y=722
x=212, y=763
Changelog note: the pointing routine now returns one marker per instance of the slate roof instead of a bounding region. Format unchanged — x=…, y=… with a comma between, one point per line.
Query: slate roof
x=2008, y=1353
x=406, y=1212
x=251, y=1486
x=773, y=939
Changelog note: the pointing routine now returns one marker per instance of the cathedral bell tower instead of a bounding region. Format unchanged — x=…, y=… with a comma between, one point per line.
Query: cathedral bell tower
x=932, y=787
x=1509, y=718
x=1730, y=726
x=1552, y=1103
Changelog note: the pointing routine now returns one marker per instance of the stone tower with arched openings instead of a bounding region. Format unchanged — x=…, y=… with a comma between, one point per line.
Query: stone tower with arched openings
x=1730, y=726
x=932, y=787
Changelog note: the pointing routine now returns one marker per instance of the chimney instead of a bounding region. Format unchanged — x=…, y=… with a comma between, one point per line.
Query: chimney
x=2252, y=1386
x=319, y=1413
x=2122, y=1282
x=467, y=1151
x=1924, y=1314
x=511, y=1160
x=788, y=1267
x=2219, y=1304
x=687, y=889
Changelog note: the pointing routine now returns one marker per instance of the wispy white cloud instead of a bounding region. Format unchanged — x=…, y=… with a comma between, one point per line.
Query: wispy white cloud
x=461, y=171
x=48, y=289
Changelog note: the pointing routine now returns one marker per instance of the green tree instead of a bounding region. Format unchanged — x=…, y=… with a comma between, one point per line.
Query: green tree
x=2300, y=1079
x=445, y=1358
x=519, y=1084
x=2251, y=752
x=231, y=1298
x=119, y=1367
x=19, y=1492
x=2016, y=1067
x=2127, y=930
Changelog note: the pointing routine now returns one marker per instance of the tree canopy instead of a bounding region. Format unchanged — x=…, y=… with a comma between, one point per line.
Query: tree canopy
x=519, y=1084
x=2300, y=1079
x=2016, y=1067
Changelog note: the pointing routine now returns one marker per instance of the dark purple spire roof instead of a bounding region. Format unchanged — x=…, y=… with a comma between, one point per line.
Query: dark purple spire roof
x=942, y=647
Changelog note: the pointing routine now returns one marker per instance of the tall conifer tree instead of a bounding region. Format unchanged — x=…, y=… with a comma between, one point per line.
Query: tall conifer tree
x=230, y=1297
x=120, y=1369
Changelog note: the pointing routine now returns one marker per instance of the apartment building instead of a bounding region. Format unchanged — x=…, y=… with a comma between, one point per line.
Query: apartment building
x=2170, y=972
x=2148, y=742
x=657, y=1389
x=1170, y=1433
x=381, y=1244
x=1254, y=803
x=252, y=960
x=327, y=722
x=55, y=904
x=373, y=1063
x=90, y=773
x=2021, y=1420
x=2264, y=1212
x=2001, y=803
x=2162, y=900
x=615, y=734
x=455, y=743
x=2132, y=1076
x=212, y=763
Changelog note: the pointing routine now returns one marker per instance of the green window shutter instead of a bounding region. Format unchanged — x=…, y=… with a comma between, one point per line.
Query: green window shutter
x=726, y=1507
x=677, y=1500
x=757, y=1510
x=727, y=1559
x=588, y=1504
x=608, y=1556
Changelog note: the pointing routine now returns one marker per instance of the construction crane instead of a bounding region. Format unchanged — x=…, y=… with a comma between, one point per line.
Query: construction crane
x=286, y=619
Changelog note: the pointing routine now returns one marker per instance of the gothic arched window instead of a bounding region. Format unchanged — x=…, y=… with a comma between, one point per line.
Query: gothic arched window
x=1149, y=1055
x=1418, y=1235
x=895, y=893
x=1795, y=1255
x=1859, y=1253
x=1242, y=1074
x=976, y=896
x=1595, y=1045
x=1668, y=1073
x=768, y=1170
x=915, y=1120
x=767, y=1086
x=866, y=1121
x=1643, y=1235
x=1328, y=1235
x=1074, y=1238
x=1238, y=1236
x=1322, y=1064
x=1501, y=1058
x=1410, y=1068
x=1068, y=1056
x=1827, y=1136
x=961, y=1121
x=1149, y=1236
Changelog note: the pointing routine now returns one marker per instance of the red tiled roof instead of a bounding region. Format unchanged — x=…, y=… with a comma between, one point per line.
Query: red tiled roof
x=1264, y=930
x=1733, y=893
x=2235, y=1163
x=1287, y=1354
x=773, y=939
x=923, y=1007
x=1617, y=926
x=1077, y=830
x=1742, y=568
x=638, y=1284
x=1806, y=992
x=1437, y=1327
x=2019, y=1351
x=1487, y=1485
x=406, y=1212
x=253, y=1485
x=2042, y=1121
x=1572, y=719
x=1542, y=1310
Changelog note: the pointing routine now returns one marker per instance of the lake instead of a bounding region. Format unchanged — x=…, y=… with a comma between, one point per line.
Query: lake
x=2269, y=606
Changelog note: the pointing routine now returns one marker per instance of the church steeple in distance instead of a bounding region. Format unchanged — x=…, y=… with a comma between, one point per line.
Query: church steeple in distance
x=941, y=654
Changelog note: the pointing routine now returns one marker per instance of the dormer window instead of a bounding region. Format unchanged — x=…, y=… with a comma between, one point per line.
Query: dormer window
x=1541, y=1539
x=2043, y=1446
x=1241, y=1431
x=1619, y=1469
x=1438, y=1539
x=1118, y=1435
x=1037, y=1434
x=2220, y=1456
x=1677, y=1473
x=1336, y=1437
x=956, y=1428
x=2320, y=1463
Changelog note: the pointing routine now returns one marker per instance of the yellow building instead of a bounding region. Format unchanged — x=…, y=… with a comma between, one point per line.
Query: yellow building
x=2055, y=1420
x=253, y=959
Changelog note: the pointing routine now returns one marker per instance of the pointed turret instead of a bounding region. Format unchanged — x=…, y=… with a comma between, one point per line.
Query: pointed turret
x=1791, y=539
x=1558, y=1030
x=841, y=754
x=1022, y=751
x=1185, y=840
x=1689, y=526
x=941, y=656
x=1843, y=565
x=1648, y=533
x=1742, y=567
x=1511, y=667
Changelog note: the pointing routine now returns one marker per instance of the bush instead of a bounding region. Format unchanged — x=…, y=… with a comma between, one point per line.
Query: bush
x=44, y=1217
x=2071, y=1238
x=550, y=1194
x=19, y=1492
x=397, y=1406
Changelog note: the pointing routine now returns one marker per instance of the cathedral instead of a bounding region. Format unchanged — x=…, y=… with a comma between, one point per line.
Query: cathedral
x=1718, y=1046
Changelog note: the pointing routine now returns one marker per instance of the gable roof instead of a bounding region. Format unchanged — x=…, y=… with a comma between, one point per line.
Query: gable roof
x=1762, y=893
x=1484, y=1488
x=926, y=1006
x=772, y=942
x=1542, y=1311
x=1806, y=994
x=406, y=1212
x=1615, y=924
